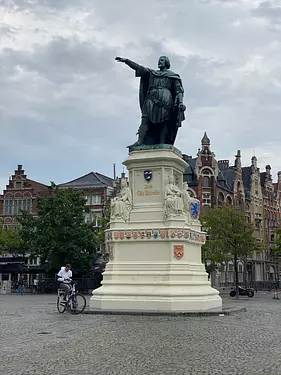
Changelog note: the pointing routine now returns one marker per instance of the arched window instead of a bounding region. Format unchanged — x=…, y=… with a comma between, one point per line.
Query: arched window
x=228, y=201
x=206, y=178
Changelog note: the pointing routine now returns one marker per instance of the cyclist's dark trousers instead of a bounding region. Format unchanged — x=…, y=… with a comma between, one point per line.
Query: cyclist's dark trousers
x=66, y=289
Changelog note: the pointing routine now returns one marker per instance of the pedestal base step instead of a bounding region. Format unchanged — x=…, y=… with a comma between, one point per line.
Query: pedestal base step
x=212, y=312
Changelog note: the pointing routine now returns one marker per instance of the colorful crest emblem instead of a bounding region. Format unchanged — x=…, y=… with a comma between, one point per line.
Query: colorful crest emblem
x=180, y=234
x=148, y=234
x=172, y=234
x=162, y=233
x=194, y=209
x=202, y=238
x=142, y=234
x=155, y=234
x=116, y=235
x=128, y=234
x=147, y=174
x=135, y=234
x=122, y=235
x=178, y=251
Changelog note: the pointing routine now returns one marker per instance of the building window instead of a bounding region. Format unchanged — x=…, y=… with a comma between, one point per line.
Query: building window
x=206, y=181
x=15, y=206
x=240, y=268
x=93, y=199
x=88, y=199
x=93, y=217
x=206, y=199
x=96, y=199
x=230, y=267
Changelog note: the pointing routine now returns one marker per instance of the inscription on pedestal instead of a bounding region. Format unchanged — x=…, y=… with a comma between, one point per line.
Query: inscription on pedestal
x=147, y=186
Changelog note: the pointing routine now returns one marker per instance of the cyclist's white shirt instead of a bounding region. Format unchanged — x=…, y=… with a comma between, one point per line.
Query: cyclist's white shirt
x=63, y=274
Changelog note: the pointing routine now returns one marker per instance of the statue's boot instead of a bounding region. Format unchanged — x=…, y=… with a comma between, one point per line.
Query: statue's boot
x=134, y=144
x=140, y=141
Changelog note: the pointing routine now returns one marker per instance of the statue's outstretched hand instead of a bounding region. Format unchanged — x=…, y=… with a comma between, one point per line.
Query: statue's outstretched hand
x=120, y=59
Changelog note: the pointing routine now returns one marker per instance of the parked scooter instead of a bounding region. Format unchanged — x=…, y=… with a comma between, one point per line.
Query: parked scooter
x=243, y=292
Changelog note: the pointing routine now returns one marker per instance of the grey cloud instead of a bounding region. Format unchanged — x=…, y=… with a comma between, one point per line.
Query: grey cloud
x=69, y=108
x=61, y=58
x=270, y=10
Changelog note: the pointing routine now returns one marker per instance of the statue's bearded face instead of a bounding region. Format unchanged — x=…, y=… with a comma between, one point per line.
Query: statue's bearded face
x=162, y=63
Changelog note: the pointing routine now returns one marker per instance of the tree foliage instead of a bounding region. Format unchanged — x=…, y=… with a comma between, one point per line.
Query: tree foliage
x=10, y=241
x=99, y=232
x=230, y=236
x=60, y=235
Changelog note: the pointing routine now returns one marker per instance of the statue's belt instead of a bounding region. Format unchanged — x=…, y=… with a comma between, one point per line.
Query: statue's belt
x=158, y=102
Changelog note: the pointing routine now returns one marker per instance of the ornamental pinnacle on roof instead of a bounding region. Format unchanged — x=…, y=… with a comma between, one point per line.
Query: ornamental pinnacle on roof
x=205, y=142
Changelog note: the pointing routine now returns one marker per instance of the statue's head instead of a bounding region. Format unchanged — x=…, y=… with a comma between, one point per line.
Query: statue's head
x=164, y=62
x=123, y=182
x=185, y=185
x=171, y=180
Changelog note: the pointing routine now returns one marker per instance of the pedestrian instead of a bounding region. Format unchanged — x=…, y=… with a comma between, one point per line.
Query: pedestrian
x=35, y=284
x=21, y=286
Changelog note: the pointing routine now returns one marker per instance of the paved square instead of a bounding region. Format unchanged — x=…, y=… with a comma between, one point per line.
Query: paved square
x=35, y=339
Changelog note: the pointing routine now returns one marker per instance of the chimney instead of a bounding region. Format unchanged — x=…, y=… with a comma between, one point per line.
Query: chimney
x=114, y=171
x=237, y=164
x=223, y=164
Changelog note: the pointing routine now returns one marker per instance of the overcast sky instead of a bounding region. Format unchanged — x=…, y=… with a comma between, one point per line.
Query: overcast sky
x=67, y=108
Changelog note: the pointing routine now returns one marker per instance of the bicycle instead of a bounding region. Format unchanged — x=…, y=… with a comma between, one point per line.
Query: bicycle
x=75, y=303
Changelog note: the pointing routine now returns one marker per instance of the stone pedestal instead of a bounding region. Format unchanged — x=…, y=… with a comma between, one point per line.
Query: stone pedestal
x=155, y=259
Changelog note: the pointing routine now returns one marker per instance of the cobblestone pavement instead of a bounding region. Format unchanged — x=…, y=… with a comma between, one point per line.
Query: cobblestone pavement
x=247, y=343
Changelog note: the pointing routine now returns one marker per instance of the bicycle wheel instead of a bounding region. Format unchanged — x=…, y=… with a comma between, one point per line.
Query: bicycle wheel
x=61, y=304
x=76, y=304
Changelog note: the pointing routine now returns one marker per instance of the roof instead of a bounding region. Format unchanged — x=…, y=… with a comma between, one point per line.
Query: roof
x=189, y=174
x=247, y=180
x=92, y=179
x=226, y=178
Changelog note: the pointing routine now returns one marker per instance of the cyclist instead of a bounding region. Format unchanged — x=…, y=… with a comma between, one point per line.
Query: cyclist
x=65, y=279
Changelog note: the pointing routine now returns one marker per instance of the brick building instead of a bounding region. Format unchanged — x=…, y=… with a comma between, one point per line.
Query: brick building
x=97, y=189
x=20, y=194
x=217, y=183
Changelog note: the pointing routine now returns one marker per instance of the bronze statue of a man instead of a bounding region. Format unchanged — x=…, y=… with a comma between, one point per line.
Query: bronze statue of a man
x=161, y=102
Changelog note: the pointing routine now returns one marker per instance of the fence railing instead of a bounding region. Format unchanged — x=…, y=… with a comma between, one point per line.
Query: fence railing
x=256, y=285
x=50, y=285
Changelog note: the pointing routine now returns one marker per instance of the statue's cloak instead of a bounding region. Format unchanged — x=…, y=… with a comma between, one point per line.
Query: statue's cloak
x=178, y=115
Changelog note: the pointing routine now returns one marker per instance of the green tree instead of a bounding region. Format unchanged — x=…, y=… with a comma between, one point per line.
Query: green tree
x=60, y=235
x=10, y=241
x=99, y=232
x=230, y=236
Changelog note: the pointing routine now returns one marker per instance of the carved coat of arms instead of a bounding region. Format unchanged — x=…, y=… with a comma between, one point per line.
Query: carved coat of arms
x=178, y=251
x=194, y=209
x=147, y=174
